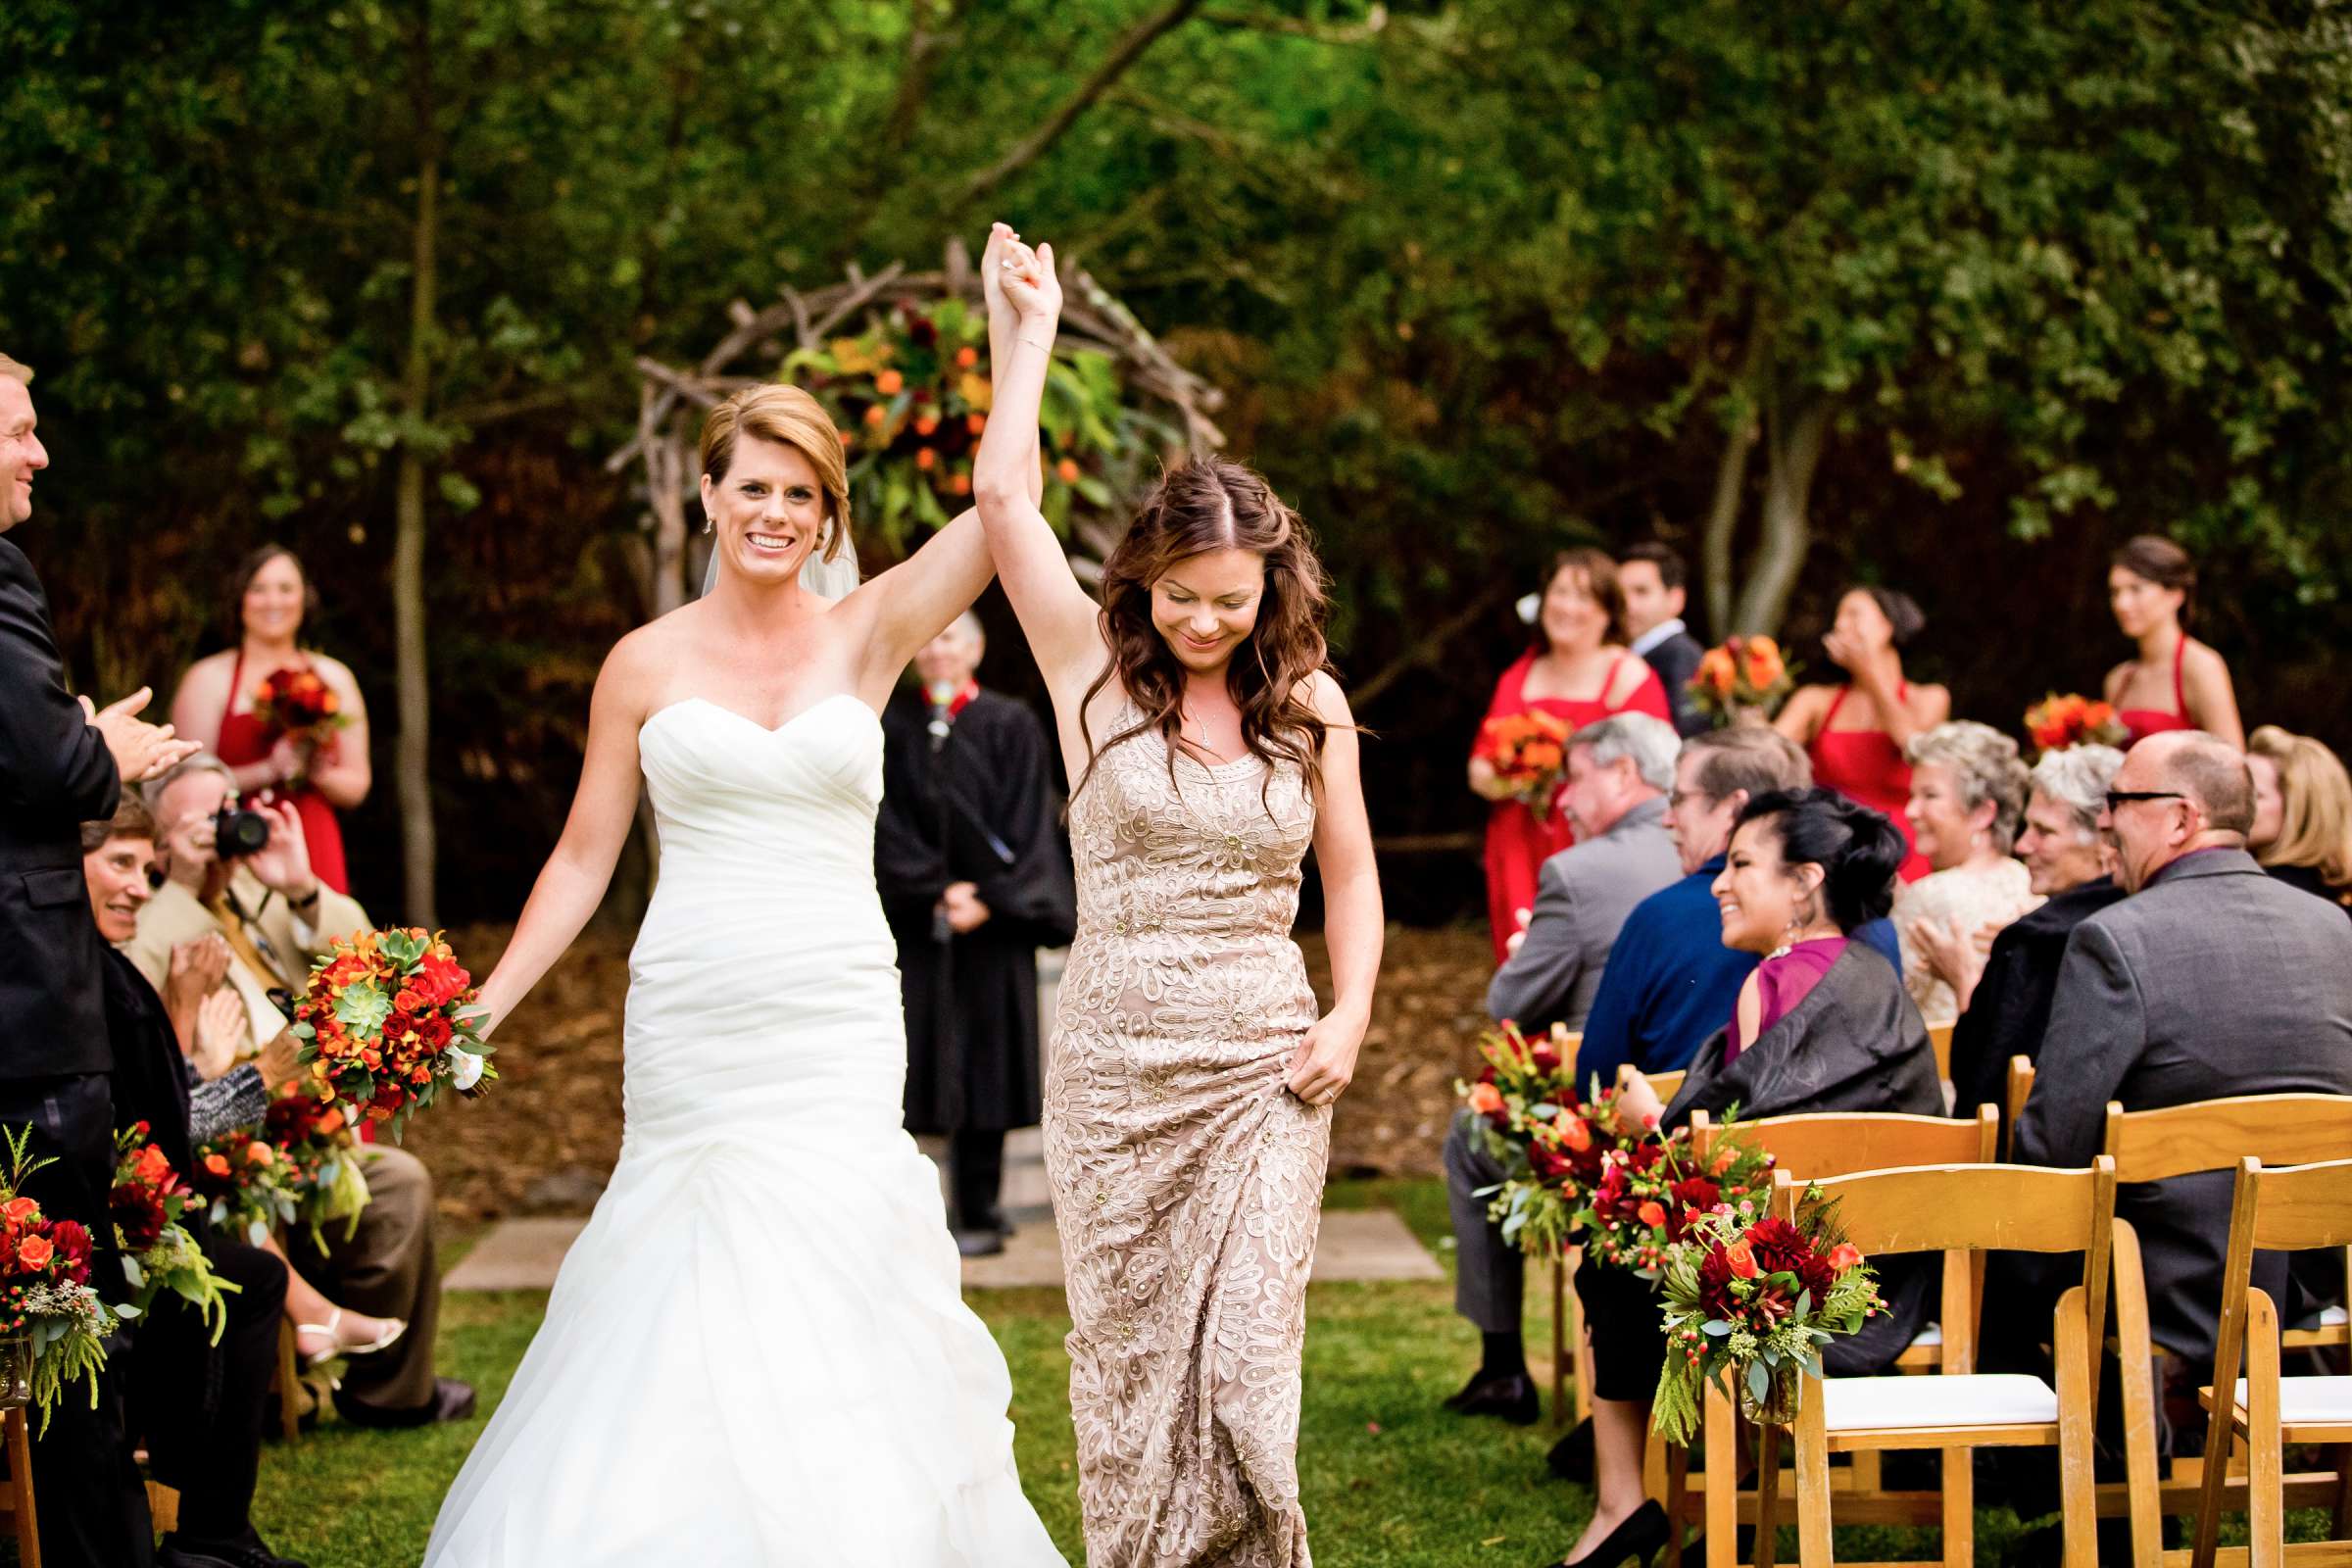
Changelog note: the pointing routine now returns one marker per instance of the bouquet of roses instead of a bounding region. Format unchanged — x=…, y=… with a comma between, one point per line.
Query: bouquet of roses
x=1529, y=751
x=384, y=1025
x=52, y=1324
x=1652, y=1192
x=243, y=1184
x=1756, y=1300
x=157, y=1253
x=320, y=1161
x=1536, y=1127
x=1742, y=675
x=2056, y=722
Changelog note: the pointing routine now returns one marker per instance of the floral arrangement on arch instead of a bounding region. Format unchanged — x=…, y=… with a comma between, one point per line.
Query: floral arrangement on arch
x=910, y=396
x=1741, y=677
x=2057, y=722
x=1749, y=1304
x=1529, y=751
x=385, y=1025
x=53, y=1327
x=158, y=1252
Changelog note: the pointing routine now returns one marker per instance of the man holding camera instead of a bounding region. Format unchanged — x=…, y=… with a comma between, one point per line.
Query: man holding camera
x=241, y=877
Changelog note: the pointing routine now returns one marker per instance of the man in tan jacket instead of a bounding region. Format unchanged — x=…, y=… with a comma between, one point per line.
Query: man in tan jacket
x=276, y=919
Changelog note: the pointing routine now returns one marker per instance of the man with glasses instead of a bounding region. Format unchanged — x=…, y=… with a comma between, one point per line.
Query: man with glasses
x=2209, y=980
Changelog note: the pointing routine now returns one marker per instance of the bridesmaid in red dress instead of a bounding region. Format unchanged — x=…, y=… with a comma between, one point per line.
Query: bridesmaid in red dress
x=2177, y=682
x=1857, y=733
x=1579, y=670
x=268, y=597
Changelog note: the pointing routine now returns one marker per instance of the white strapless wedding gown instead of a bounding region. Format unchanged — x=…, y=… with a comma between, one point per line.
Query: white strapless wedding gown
x=756, y=1353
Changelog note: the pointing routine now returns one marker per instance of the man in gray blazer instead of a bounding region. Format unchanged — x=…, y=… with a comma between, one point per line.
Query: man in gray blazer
x=1619, y=770
x=2210, y=979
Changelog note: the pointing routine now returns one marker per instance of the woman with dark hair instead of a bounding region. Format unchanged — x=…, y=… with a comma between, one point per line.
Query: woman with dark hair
x=1188, y=1093
x=269, y=598
x=1857, y=733
x=1822, y=1024
x=2152, y=586
x=1578, y=670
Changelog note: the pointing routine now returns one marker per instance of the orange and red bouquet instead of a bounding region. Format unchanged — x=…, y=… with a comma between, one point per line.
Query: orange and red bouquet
x=1740, y=676
x=385, y=1025
x=53, y=1327
x=299, y=704
x=1754, y=1300
x=318, y=1161
x=1549, y=1139
x=159, y=1254
x=1529, y=751
x=1655, y=1188
x=2057, y=722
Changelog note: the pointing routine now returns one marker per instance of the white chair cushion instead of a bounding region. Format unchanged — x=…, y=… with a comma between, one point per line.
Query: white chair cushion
x=1978, y=1399
x=1930, y=1337
x=2331, y=1317
x=2327, y=1399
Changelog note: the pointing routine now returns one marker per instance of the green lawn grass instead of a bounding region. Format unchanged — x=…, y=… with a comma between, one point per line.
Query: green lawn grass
x=1390, y=1479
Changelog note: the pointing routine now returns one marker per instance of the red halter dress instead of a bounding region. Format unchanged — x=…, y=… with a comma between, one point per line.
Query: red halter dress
x=1517, y=844
x=2142, y=722
x=1867, y=767
x=244, y=740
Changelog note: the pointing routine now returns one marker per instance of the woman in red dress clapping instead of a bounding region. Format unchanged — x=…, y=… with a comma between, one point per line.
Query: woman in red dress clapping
x=1578, y=671
x=1857, y=733
x=322, y=770
x=2177, y=682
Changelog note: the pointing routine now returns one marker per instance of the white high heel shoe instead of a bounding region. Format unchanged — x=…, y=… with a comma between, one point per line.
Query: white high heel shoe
x=393, y=1329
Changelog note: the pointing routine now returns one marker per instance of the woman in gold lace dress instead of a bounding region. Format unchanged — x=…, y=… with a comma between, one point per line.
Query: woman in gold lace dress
x=1187, y=1098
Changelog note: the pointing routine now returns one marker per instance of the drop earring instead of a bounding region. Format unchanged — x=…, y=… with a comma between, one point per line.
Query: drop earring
x=708, y=526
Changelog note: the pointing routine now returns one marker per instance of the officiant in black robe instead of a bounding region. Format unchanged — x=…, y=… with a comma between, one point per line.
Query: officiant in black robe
x=975, y=877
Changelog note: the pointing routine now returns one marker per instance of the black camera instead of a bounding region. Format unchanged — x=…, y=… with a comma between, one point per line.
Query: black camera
x=238, y=831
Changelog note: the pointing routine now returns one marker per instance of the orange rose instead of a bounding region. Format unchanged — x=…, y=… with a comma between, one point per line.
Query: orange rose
x=1651, y=1214
x=217, y=1164
x=34, y=1252
x=975, y=423
x=1742, y=1260
x=875, y=414
x=1486, y=1099
x=1067, y=470
x=153, y=1167
x=1845, y=1255
x=966, y=357
x=962, y=484
x=258, y=1153
x=20, y=1208
x=1716, y=672
x=1575, y=1132
x=333, y=1120
x=889, y=382
x=925, y=459
x=925, y=424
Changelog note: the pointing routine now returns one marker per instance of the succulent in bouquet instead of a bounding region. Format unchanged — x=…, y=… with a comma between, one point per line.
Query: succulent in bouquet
x=242, y=1183
x=318, y=1162
x=53, y=1327
x=1741, y=676
x=2057, y=722
x=1529, y=751
x=159, y=1254
x=1748, y=1305
x=387, y=1023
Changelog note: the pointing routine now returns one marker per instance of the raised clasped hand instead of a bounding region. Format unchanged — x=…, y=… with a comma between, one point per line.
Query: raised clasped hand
x=1028, y=279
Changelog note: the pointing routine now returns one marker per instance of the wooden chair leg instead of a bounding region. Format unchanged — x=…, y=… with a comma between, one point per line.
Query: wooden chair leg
x=1959, y=1481
x=2266, y=1512
x=20, y=1485
x=2340, y=1456
x=1560, y=1343
x=1813, y=1549
x=2079, y=1524
x=1722, y=1499
x=1768, y=1496
x=1677, y=1494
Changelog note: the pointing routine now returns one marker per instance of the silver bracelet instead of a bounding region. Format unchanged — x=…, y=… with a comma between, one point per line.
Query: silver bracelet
x=1047, y=345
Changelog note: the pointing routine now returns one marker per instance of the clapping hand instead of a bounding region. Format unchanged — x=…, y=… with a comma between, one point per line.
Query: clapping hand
x=141, y=751
x=198, y=966
x=1953, y=955
x=219, y=1034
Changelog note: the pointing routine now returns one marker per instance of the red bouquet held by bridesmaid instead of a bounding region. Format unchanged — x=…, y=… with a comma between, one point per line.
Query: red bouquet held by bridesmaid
x=298, y=704
x=1529, y=751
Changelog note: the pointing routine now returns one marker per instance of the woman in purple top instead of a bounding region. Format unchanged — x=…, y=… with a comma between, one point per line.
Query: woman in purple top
x=1822, y=1024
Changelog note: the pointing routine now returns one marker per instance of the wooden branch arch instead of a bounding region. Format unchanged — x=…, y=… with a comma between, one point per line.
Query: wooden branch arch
x=671, y=402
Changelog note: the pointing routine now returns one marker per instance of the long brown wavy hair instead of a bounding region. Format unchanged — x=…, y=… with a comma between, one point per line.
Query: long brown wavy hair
x=1201, y=504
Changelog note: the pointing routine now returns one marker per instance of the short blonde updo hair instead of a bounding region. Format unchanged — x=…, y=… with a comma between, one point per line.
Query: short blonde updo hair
x=787, y=416
x=1986, y=765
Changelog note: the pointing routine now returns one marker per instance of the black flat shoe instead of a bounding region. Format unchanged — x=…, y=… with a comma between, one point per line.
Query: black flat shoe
x=1637, y=1536
x=452, y=1400
x=1512, y=1398
x=1571, y=1458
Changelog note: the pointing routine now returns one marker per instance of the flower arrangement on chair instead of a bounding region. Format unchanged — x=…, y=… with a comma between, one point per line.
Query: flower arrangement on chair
x=1546, y=1138
x=157, y=1253
x=53, y=1327
x=1753, y=1300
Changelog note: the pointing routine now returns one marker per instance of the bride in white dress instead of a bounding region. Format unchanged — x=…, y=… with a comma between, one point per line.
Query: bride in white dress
x=756, y=1352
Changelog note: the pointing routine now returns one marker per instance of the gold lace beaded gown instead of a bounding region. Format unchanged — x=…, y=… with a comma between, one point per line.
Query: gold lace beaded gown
x=1188, y=1180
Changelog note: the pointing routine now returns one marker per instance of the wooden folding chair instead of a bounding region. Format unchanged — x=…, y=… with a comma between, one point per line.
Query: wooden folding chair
x=2293, y=1209
x=1964, y=1208
x=1939, y=1040
x=18, y=1497
x=1811, y=1146
x=2150, y=1145
x=288, y=1383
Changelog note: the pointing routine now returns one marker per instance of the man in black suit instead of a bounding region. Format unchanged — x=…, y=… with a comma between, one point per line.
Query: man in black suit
x=1656, y=592
x=62, y=763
